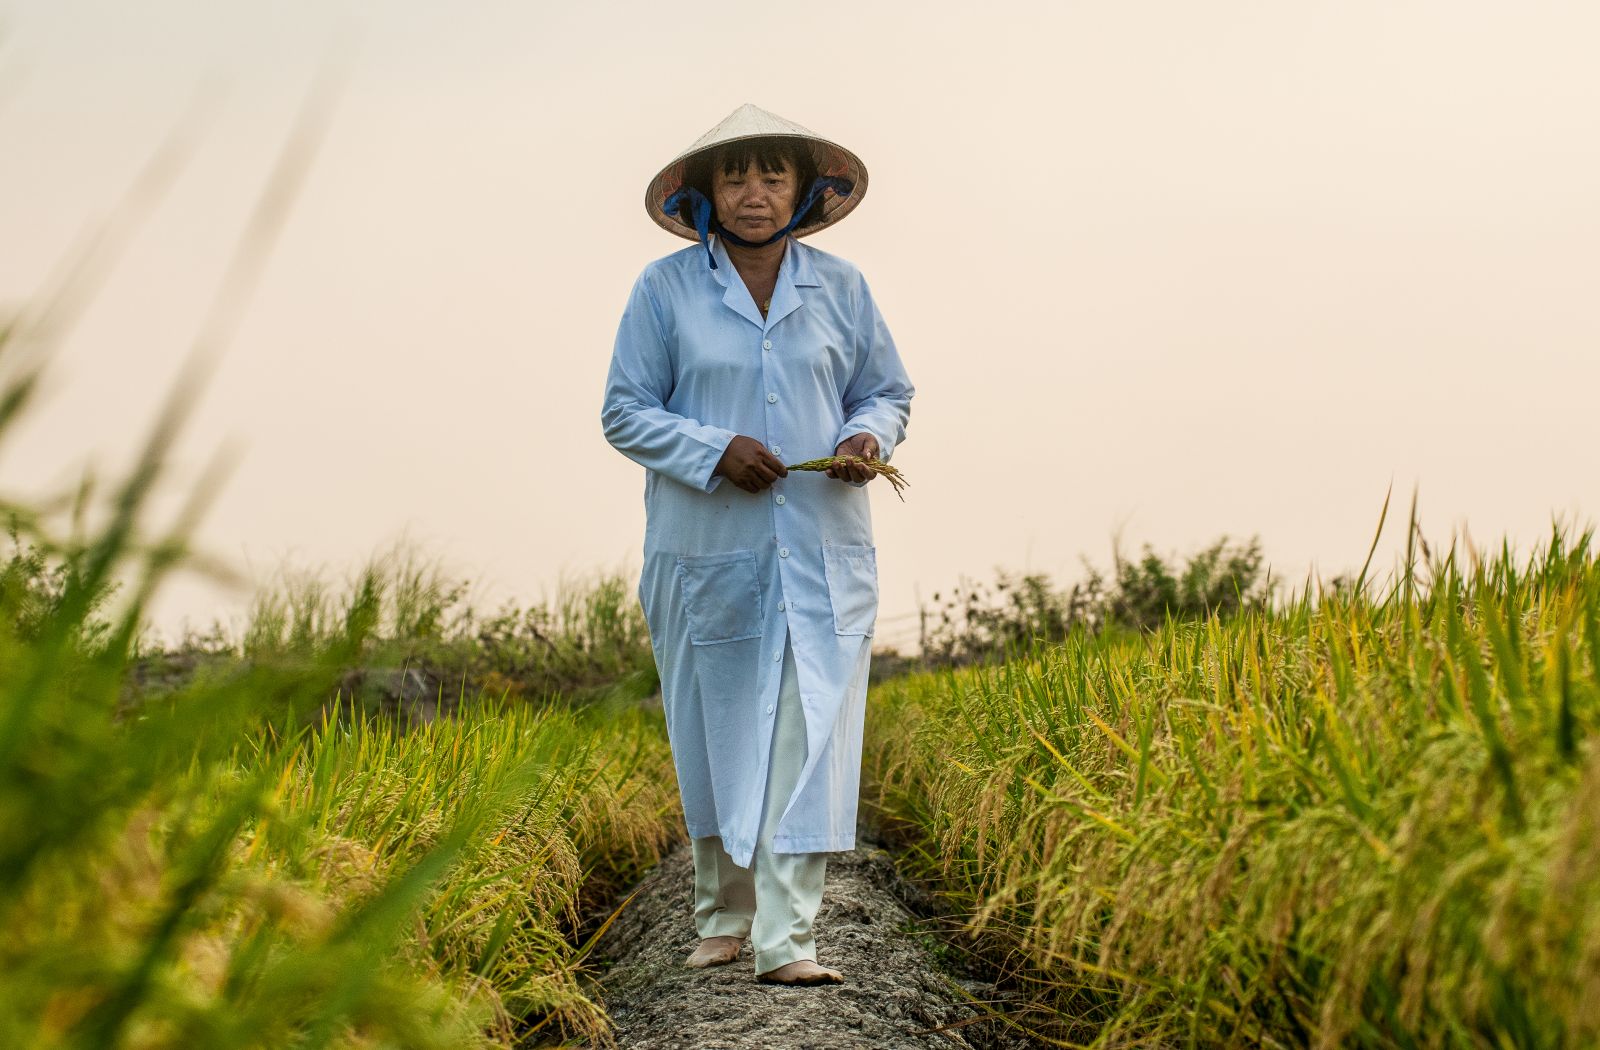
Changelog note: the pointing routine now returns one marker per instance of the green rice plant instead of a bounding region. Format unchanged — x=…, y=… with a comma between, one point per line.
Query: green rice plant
x=362, y=800
x=1351, y=819
x=116, y=830
x=193, y=870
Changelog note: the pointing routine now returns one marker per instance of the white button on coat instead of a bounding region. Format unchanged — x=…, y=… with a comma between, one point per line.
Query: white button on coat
x=779, y=500
x=682, y=384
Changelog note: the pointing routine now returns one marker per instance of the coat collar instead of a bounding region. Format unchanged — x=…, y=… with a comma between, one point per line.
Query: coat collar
x=794, y=272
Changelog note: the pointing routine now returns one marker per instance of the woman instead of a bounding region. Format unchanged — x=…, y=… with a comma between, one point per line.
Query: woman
x=734, y=356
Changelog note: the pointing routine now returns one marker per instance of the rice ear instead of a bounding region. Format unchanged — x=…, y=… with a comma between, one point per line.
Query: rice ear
x=896, y=479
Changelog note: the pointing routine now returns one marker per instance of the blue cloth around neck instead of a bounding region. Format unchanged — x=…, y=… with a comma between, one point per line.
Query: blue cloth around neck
x=705, y=222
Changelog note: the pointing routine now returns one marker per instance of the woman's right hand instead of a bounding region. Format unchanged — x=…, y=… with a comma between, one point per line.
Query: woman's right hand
x=747, y=463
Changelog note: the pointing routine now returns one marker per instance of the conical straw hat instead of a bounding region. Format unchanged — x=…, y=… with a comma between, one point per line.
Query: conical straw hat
x=753, y=122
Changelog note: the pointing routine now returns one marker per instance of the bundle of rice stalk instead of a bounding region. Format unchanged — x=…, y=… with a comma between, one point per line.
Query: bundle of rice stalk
x=877, y=466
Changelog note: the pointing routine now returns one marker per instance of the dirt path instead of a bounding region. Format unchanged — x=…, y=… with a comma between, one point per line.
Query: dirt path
x=893, y=995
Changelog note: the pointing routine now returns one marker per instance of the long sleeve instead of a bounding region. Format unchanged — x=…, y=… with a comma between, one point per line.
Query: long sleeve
x=639, y=385
x=877, y=400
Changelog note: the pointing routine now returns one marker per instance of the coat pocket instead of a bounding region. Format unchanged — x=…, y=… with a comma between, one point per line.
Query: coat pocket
x=721, y=596
x=852, y=574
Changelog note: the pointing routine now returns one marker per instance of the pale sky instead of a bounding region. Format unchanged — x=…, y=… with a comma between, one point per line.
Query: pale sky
x=1180, y=269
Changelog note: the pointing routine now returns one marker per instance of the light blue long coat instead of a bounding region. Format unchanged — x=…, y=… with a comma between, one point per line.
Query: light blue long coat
x=727, y=573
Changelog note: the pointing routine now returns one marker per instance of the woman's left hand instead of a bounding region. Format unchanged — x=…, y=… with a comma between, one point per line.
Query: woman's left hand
x=863, y=445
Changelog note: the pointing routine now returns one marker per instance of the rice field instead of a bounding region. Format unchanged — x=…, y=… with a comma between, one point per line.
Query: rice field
x=1356, y=819
x=212, y=870
x=226, y=847
x=1361, y=817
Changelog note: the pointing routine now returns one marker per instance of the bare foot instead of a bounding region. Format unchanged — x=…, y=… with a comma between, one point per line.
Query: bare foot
x=715, y=951
x=801, y=971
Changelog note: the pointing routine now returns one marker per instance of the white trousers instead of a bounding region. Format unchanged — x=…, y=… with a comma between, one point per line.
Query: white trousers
x=774, y=901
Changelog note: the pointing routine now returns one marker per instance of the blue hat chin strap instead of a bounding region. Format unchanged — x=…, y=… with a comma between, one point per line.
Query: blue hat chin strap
x=704, y=222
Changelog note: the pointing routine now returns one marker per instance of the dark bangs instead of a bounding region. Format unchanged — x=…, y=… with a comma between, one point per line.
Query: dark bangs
x=769, y=154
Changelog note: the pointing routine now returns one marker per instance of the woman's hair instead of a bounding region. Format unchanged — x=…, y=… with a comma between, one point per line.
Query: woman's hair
x=773, y=153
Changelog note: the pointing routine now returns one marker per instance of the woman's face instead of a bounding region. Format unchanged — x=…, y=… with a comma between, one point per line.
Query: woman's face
x=754, y=204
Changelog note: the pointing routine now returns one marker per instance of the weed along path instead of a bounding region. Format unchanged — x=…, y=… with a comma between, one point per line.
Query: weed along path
x=894, y=996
